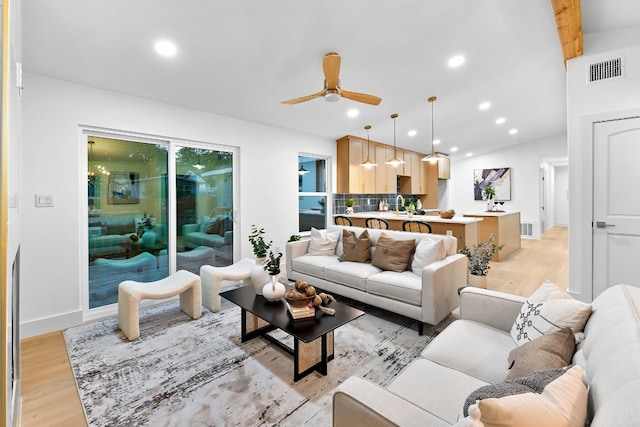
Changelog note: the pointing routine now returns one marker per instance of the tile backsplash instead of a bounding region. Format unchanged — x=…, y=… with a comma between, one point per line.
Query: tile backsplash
x=367, y=202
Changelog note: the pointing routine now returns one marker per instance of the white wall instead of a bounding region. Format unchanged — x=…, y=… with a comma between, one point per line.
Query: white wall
x=606, y=100
x=53, y=162
x=523, y=159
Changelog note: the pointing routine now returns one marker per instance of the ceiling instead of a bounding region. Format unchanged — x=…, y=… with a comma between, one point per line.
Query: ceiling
x=241, y=58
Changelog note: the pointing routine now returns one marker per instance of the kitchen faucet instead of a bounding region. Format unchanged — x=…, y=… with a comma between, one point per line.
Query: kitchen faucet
x=401, y=198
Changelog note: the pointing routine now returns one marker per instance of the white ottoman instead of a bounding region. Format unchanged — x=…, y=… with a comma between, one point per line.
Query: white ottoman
x=130, y=293
x=212, y=278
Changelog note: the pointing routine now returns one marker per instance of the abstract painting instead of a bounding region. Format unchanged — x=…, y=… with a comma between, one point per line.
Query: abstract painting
x=499, y=178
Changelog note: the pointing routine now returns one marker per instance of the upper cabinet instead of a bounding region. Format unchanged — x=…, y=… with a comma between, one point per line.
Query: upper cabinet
x=416, y=176
x=444, y=168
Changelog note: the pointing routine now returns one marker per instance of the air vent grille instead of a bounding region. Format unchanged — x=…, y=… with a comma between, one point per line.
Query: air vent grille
x=605, y=70
x=526, y=229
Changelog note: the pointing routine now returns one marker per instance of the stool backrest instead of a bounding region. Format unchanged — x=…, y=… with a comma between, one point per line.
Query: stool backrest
x=377, y=223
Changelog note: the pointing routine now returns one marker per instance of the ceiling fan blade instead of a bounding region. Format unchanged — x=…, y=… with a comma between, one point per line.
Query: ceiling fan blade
x=303, y=98
x=331, y=68
x=361, y=97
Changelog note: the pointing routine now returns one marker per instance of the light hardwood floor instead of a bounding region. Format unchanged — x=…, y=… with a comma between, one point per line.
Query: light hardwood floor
x=50, y=397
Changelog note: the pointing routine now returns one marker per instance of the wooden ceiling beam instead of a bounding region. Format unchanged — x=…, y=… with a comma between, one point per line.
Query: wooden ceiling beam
x=569, y=23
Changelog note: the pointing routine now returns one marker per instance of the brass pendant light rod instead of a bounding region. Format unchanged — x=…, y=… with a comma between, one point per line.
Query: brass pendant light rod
x=432, y=156
x=394, y=161
x=368, y=163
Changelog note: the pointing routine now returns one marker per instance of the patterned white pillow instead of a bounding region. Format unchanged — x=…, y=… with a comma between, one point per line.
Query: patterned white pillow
x=323, y=242
x=549, y=309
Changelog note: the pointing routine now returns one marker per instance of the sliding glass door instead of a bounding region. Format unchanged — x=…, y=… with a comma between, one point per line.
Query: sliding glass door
x=127, y=214
x=204, y=208
x=154, y=208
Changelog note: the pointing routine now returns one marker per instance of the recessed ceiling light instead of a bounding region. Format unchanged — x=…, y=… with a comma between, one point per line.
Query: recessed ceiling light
x=454, y=149
x=353, y=113
x=456, y=61
x=166, y=48
x=436, y=141
x=501, y=120
x=469, y=154
x=513, y=131
x=484, y=106
x=412, y=132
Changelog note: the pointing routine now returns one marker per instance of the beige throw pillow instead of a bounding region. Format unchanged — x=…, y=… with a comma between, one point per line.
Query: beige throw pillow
x=427, y=251
x=549, y=309
x=356, y=249
x=551, y=351
x=562, y=403
x=392, y=254
x=323, y=242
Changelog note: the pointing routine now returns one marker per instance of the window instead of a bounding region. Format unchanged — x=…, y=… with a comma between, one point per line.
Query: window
x=312, y=192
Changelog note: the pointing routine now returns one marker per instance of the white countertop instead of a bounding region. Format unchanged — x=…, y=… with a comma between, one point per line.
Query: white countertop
x=486, y=213
x=391, y=215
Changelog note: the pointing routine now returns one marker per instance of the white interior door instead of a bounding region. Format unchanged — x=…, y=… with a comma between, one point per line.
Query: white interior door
x=616, y=203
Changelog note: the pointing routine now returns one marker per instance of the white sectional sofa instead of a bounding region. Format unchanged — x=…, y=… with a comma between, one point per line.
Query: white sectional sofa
x=427, y=297
x=472, y=352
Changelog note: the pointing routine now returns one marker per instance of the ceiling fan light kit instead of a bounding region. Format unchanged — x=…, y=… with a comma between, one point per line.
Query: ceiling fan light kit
x=432, y=157
x=332, y=91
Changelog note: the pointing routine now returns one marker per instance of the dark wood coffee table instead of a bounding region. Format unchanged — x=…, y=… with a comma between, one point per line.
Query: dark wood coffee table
x=313, y=337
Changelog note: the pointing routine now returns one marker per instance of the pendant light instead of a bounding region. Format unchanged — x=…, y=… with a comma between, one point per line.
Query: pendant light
x=302, y=171
x=394, y=161
x=432, y=156
x=198, y=165
x=368, y=163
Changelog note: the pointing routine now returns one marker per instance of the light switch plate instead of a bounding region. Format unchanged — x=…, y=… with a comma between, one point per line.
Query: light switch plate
x=44, y=200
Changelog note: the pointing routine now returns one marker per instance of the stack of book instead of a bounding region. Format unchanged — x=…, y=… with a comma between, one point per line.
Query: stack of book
x=303, y=312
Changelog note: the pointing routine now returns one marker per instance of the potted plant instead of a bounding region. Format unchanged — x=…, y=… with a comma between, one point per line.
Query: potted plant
x=489, y=192
x=145, y=230
x=479, y=259
x=410, y=207
x=275, y=290
x=260, y=246
x=349, y=204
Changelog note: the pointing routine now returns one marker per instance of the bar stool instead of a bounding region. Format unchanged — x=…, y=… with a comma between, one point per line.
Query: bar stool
x=342, y=220
x=416, y=226
x=377, y=223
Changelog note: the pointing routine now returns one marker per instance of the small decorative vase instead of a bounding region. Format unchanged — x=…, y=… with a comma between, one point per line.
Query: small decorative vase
x=478, y=281
x=149, y=239
x=409, y=214
x=274, y=290
x=258, y=276
x=349, y=210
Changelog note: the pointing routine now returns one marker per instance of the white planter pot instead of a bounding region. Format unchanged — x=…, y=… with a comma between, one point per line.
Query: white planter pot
x=259, y=276
x=273, y=290
x=478, y=281
x=349, y=209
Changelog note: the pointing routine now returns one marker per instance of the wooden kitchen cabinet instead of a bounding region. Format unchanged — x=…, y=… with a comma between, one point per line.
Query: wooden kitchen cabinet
x=351, y=177
x=386, y=175
x=444, y=168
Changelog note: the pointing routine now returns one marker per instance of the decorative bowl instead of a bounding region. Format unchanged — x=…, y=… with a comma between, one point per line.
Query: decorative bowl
x=298, y=302
x=446, y=215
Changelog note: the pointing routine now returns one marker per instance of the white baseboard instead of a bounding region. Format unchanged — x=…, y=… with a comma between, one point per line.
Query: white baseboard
x=45, y=325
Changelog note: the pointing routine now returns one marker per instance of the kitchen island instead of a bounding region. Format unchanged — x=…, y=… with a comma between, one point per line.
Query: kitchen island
x=506, y=227
x=458, y=226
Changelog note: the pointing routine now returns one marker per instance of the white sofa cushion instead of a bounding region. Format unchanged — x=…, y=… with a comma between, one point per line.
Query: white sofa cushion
x=549, y=309
x=427, y=251
x=435, y=388
x=351, y=274
x=313, y=265
x=473, y=348
x=323, y=242
x=405, y=286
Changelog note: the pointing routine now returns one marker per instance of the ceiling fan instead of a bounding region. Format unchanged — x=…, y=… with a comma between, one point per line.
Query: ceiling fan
x=332, y=91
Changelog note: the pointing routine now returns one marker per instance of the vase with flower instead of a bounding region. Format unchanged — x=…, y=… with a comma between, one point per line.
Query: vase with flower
x=274, y=290
x=146, y=231
x=260, y=247
x=479, y=258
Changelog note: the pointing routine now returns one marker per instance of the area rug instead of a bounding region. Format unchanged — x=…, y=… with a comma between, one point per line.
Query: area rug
x=184, y=372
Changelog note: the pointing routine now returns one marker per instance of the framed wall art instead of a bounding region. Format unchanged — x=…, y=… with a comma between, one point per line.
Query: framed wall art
x=124, y=188
x=499, y=178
